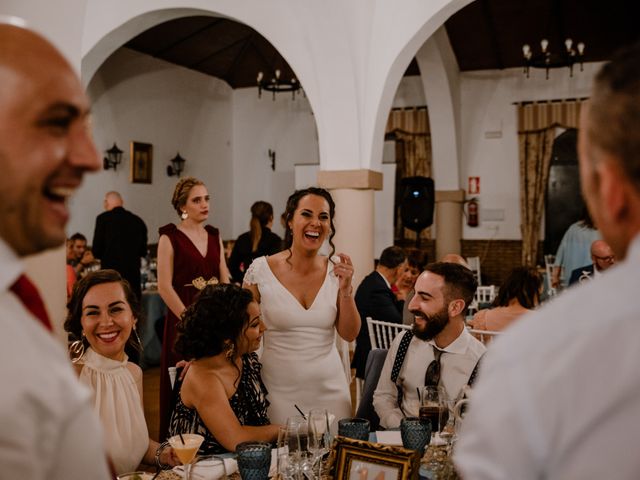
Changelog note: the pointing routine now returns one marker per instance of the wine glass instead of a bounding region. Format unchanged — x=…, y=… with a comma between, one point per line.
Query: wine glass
x=298, y=443
x=430, y=408
x=319, y=436
x=186, y=446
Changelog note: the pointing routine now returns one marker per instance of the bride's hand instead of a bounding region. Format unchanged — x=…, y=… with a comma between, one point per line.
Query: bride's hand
x=344, y=272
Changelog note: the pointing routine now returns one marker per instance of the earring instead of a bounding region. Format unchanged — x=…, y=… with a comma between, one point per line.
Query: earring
x=135, y=331
x=229, y=351
x=76, y=350
x=184, y=215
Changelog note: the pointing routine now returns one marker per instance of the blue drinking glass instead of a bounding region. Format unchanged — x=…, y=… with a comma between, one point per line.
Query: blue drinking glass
x=254, y=460
x=415, y=434
x=357, y=428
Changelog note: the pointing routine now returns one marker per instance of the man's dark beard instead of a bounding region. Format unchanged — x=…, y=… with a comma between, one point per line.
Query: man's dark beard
x=434, y=324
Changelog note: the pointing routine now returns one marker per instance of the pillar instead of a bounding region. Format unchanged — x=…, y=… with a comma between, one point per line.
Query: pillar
x=448, y=216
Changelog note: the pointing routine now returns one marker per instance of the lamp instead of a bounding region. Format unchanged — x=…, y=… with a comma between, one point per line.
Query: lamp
x=546, y=59
x=272, y=157
x=177, y=166
x=113, y=158
x=277, y=85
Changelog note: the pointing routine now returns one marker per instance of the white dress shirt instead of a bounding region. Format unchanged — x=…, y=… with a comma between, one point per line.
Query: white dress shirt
x=48, y=430
x=457, y=362
x=558, y=396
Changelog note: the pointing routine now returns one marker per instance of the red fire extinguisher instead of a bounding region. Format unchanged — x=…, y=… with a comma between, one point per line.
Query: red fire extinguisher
x=472, y=212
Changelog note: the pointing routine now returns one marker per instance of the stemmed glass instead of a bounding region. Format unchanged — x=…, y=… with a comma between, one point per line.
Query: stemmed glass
x=319, y=436
x=297, y=440
x=186, y=446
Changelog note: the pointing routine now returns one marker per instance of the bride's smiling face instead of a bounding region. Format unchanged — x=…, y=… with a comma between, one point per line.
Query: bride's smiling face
x=311, y=222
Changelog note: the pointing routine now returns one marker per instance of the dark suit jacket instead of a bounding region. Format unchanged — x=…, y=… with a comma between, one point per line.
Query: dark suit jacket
x=577, y=273
x=376, y=300
x=119, y=241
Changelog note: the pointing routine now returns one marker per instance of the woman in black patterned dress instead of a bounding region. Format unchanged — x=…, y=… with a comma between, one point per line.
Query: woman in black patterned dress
x=222, y=396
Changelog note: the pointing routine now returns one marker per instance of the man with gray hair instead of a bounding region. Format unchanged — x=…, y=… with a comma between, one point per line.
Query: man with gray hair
x=559, y=394
x=48, y=429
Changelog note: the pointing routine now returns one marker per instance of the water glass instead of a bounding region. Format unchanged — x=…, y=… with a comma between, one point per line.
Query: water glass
x=254, y=460
x=357, y=428
x=415, y=434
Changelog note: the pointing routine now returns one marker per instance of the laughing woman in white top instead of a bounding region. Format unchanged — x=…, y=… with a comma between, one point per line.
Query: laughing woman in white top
x=305, y=299
x=102, y=313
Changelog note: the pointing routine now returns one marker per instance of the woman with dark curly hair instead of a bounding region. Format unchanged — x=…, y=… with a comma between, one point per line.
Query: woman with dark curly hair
x=102, y=315
x=305, y=298
x=222, y=396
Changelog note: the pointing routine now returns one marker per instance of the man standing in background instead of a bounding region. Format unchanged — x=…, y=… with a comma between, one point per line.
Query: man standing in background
x=120, y=240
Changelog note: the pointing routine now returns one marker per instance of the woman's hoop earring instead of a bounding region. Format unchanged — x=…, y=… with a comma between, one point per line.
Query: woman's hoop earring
x=135, y=331
x=76, y=351
x=184, y=215
x=229, y=351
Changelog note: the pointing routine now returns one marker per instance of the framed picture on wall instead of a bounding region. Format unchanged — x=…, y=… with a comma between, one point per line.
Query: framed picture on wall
x=141, y=162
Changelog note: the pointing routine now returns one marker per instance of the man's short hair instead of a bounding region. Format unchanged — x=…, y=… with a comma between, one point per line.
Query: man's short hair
x=459, y=282
x=77, y=236
x=391, y=257
x=614, y=110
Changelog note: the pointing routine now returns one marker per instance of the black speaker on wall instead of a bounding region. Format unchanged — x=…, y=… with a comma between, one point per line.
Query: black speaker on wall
x=417, y=202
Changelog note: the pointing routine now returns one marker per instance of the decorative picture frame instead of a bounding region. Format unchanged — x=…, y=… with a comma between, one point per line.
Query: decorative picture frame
x=359, y=460
x=141, y=162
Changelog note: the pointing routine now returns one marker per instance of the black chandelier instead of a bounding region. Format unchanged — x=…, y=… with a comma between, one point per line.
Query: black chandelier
x=278, y=85
x=546, y=59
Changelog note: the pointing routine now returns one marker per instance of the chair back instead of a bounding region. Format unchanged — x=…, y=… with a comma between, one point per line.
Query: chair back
x=375, y=362
x=485, y=336
x=484, y=294
x=381, y=334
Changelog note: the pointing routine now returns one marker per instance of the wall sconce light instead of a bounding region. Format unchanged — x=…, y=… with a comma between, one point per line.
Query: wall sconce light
x=272, y=156
x=113, y=158
x=177, y=166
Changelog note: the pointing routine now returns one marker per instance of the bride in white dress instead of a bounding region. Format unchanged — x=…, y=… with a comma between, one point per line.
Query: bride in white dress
x=305, y=299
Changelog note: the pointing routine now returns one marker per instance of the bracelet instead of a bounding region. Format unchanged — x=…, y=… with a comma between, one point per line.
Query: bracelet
x=347, y=295
x=159, y=450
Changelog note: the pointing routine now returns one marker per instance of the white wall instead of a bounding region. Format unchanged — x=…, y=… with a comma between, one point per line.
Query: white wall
x=285, y=126
x=487, y=99
x=137, y=97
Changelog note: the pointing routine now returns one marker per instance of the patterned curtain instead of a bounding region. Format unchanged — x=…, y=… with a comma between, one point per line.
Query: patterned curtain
x=537, y=123
x=410, y=129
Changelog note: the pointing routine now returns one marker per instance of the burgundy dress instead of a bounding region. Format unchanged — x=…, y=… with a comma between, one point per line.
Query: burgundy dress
x=188, y=264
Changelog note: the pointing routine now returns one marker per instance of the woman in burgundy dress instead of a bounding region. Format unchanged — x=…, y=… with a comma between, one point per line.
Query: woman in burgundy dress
x=189, y=258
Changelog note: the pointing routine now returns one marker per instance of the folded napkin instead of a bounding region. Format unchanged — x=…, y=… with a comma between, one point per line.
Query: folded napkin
x=210, y=469
x=393, y=437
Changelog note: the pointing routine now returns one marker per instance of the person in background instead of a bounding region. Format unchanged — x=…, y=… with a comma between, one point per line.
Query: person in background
x=102, y=315
x=574, y=250
x=517, y=295
x=305, y=299
x=222, y=396
x=70, y=271
x=602, y=257
x=79, y=256
x=120, y=240
x=190, y=256
x=375, y=299
x=416, y=261
x=257, y=242
x=48, y=429
x=559, y=394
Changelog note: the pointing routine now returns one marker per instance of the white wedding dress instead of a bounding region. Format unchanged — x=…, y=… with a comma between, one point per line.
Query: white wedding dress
x=300, y=361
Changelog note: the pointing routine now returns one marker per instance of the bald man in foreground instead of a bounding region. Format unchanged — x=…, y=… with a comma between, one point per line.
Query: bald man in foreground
x=47, y=426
